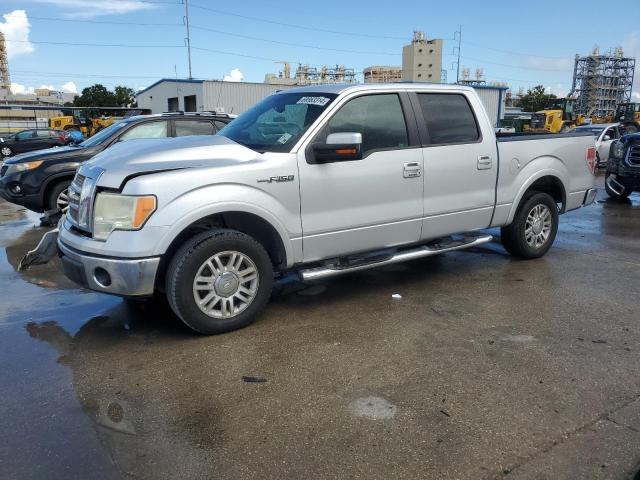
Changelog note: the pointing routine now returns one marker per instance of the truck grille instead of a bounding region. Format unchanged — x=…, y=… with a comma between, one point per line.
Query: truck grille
x=633, y=157
x=3, y=170
x=74, y=197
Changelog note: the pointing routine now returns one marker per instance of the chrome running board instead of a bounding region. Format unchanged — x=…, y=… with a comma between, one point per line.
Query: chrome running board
x=429, y=250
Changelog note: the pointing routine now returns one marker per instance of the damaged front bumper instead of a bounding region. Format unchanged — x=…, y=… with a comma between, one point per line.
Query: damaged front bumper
x=117, y=276
x=130, y=277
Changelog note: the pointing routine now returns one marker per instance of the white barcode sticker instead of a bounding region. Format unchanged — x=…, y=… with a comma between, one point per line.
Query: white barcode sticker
x=319, y=101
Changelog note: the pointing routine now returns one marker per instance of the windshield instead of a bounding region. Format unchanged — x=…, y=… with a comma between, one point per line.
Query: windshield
x=595, y=131
x=276, y=123
x=103, y=135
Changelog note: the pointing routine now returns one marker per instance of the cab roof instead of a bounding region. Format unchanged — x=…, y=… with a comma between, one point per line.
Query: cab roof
x=338, y=88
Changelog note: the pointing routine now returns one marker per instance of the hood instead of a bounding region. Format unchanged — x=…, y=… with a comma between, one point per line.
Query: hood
x=631, y=137
x=54, y=153
x=134, y=157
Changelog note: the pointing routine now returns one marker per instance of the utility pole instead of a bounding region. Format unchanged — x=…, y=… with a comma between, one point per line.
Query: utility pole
x=458, y=36
x=188, y=39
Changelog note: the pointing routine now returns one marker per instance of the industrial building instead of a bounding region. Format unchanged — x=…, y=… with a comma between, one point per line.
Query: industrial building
x=422, y=59
x=307, y=75
x=601, y=82
x=382, y=74
x=170, y=95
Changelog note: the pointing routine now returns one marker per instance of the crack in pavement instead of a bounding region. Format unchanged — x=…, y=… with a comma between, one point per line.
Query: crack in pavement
x=569, y=435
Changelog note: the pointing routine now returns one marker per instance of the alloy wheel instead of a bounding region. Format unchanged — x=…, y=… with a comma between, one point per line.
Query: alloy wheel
x=225, y=284
x=538, y=226
x=62, y=201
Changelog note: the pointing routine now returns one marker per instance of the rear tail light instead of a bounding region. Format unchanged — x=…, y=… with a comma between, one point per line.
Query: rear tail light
x=63, y=136
x=591, y=159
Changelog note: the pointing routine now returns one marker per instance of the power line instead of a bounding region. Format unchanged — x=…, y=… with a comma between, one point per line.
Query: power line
x=511, y=52
x=293, y=25
x=512, y=66
x=301, y=45
x=105, y=22
x=127, y=45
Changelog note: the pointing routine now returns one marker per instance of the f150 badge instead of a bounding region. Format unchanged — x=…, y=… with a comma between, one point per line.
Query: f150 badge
x=277, y=179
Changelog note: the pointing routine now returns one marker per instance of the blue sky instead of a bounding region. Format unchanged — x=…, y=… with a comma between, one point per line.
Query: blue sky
x=522, y=45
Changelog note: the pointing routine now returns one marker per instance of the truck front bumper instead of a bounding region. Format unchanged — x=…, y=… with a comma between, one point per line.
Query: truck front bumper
x=117, y=276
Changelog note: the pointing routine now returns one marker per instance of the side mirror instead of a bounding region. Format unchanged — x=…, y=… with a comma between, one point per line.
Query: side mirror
x=606, y=138
x=339, y=147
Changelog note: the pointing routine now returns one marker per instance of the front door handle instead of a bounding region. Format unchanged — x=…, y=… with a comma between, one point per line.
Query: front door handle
x=411, y=170
x=484, y=162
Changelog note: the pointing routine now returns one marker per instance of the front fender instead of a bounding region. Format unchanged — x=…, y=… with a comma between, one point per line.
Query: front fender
x=197, y=204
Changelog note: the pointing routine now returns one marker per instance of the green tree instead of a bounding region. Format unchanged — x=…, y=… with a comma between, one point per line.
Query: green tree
x=535, y=99
x=96, y=96
x=125, y=96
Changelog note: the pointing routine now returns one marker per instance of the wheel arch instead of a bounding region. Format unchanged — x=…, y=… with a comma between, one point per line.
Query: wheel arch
x=548, y=181
x=51, y=182
x=266, y=231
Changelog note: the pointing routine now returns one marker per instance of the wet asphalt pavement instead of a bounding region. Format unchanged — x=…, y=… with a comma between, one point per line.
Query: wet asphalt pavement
x=486, y=367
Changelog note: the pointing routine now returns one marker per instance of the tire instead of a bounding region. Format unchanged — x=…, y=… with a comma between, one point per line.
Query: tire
x=58, y=198
x=526, y=238
x=565, y=128
x=6, y=151
x=234, y=300
x=617, y=196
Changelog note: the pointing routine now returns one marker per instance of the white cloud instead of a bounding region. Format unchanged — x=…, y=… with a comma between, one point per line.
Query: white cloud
x=558, y=89
x=234, y=76
x=16, y=27
x=635, y=96
x=69, y=87
x=84, y=9
x=19, y=89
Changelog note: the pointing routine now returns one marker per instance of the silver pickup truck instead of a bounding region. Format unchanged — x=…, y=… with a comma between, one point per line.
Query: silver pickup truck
x=317, y=181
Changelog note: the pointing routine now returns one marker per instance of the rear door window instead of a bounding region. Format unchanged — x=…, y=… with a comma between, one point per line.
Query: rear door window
x=194, y=127
x=157, y=129
x=449, y=118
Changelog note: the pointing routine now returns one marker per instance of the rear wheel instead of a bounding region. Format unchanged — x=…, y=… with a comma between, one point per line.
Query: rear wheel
x=58, y=197
x=6, y=151
x=534, y=227
x=219, y=281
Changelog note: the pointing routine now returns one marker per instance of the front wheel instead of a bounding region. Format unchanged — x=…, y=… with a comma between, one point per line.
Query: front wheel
x=6, y=151
x=534, y=227
x=58, y=197
x=219, y=281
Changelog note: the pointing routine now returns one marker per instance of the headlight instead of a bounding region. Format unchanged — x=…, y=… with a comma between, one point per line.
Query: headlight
x=113, y=211
x=22, y=167
x=617, y=149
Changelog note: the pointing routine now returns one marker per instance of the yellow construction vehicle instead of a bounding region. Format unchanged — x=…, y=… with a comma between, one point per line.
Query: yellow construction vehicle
x=557, y=117
x=628, y=114
x=90, y=120
x=87, y=121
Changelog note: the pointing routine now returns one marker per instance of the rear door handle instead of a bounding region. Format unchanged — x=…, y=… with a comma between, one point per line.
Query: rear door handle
x=484, y=162
x=411, y=170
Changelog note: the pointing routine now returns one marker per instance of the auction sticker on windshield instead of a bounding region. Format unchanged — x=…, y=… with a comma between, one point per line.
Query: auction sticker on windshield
x=319, y=101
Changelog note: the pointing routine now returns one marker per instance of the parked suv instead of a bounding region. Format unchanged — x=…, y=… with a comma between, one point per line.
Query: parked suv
x=39, y=181
x=318, y=181
x=623, y=168
x=30, y=140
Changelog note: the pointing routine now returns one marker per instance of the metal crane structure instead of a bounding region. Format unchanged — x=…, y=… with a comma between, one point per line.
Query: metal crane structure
x=5, y=80
x=602, y=82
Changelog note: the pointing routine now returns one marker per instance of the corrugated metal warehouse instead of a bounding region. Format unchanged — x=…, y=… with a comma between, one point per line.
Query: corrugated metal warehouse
x=168, y=95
